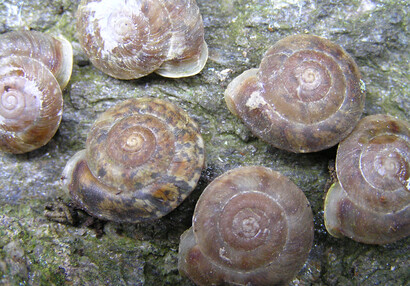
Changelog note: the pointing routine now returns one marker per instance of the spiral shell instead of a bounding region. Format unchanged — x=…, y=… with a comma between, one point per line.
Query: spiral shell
x=306, y=96
x=371, y=201
x=54, y=52
x=130, y=39
x=251, y=226
x=31, y=104
x=143, y=157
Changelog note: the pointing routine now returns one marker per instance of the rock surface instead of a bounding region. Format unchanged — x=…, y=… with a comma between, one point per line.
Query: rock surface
x=43, y=241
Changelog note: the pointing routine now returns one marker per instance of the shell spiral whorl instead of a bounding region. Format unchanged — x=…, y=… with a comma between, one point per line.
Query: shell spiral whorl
x=130, y=39
x=371, y=201
x=34, y=67
x=30, y=104
x=251, y=226
x=143, y=157
x=55, y=53
x=305, y=97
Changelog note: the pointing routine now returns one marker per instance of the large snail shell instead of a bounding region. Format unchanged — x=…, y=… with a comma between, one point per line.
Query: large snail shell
x=55, y=53
x=306, y=96
x=143, y=157
x=31, y=104
x=130, y=39
x=371, y=201
x=251, y=226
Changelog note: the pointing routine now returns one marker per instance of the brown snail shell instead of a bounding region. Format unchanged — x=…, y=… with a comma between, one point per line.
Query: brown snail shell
x=31, y=104
x=54, y=52
x=130, y=39
x=143, y=157
x=306, y=96
x=251, y=226
x=371, y=201
x=34, y=67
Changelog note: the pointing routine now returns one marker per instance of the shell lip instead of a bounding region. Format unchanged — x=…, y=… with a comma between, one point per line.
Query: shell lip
x=185, y=68
x=64, y=75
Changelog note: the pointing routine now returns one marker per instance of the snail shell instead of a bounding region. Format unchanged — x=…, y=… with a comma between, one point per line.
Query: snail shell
x=251, y=226
x=371, y=201
x=31, y=104
x=130, y=39
x=306, y=96
x=33, y=69
x=143, y=157
x=55, y=53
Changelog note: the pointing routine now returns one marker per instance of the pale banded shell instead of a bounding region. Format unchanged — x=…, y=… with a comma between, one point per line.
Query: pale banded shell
x=130, y=39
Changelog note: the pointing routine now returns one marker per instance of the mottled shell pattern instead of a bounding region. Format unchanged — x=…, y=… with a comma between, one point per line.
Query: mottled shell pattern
x=371, y=201
x=130, y=39
x=306, y=96
x=143, y=157
x=251, y=226
x=33, y=65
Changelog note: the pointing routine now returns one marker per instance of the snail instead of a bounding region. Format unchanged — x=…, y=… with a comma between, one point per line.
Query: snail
x=306, y=96
x=370, y=203
x=251, y=226
x=143, y=157
x=54, y=52
x=130, y=39
x=31, y=104
x=33, y=68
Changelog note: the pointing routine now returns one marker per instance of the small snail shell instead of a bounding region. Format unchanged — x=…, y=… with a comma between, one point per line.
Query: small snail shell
x=55, y=53
x=251, y=226
x=130, y=39
x=143, y=157
x=371, y=201
x=306, y=96
x=31, y=104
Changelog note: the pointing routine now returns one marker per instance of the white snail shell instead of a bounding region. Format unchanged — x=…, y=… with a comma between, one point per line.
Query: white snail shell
x=130, y=39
